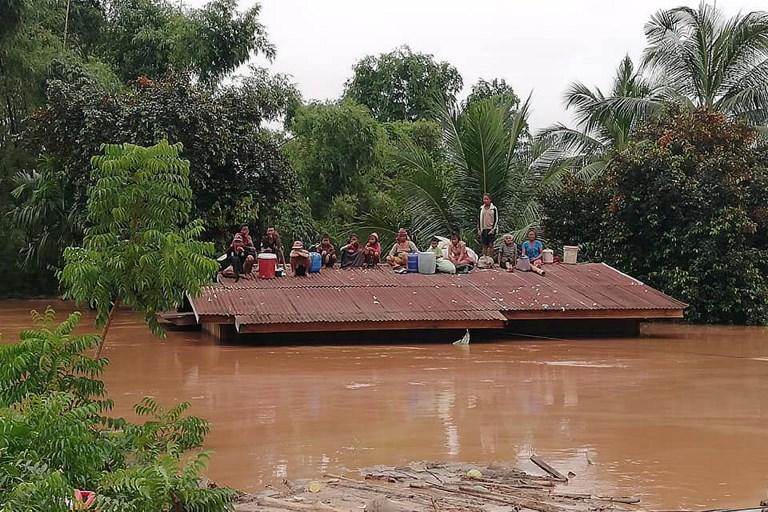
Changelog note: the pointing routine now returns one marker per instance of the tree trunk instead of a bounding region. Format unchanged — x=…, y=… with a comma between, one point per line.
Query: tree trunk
x=8, y=105
x=66, y=24
x=105, y=329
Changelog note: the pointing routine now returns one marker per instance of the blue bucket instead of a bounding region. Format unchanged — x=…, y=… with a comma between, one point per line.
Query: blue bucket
x=413, y=262
x=315, y=262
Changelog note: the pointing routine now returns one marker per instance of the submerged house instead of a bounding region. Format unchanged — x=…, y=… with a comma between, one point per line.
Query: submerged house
x=588, y=298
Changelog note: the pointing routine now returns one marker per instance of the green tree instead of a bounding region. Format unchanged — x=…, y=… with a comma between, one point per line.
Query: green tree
x=261, y=96
x=237, y=173
x=148, y=37
x=710, y=61
x=401, y=85
x=496, y=88
x=425, y=133
x=336, y=150
x=484, y=152
x=682, y=208
x=48, y=212
x=140, y=248
x=603, y=121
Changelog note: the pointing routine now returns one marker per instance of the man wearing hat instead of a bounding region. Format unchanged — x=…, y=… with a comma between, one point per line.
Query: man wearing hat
x=240, y=262
x=299, y=259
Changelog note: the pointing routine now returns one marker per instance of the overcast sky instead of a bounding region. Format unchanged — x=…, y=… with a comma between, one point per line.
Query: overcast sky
x=535, y=45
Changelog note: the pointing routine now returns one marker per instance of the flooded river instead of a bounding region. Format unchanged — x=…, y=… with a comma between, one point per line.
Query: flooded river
x=678, y=417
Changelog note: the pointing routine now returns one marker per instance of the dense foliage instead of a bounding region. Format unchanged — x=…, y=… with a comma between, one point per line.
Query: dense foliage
x=682, y=208
x=237, y=169
x=63, y=93
x=485, y=152
x=336, y=149
x=148, y=37
x=401, y=85
x=400, y=147
x=710, y=61
x=140, y=247
x=55, y=435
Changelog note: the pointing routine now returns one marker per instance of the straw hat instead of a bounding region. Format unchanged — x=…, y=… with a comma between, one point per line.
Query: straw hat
x=298, y=244
x=238, y=238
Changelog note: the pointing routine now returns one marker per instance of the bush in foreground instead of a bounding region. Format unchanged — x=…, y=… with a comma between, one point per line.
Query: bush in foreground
x=55, y=435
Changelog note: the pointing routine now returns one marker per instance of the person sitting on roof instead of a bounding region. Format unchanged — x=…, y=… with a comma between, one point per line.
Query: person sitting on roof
x=272, y=243
x=508, y=253
x=441, y=263
x=398, y=255
x=372, y=251
x=240, y=262
x=327, y=251
x=458, y=255
x=250, y=249
x=299, y=259
x=352, y=253
x=533, y=248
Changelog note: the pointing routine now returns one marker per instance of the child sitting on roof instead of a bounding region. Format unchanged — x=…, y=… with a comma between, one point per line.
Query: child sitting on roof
x=441, y=263
x=372, y=251
x=327, y=251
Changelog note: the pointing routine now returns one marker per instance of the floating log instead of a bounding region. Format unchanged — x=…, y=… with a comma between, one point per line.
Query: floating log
x=500, y=498
x=549, y=469
x=628, y=500
x=265, y=501
x=500, y=487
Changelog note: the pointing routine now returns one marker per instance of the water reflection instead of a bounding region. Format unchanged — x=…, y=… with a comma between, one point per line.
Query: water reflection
x=676, y=417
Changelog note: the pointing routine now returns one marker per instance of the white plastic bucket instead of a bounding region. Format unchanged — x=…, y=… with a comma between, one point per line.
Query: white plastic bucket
x=547, y=256
x=523, y=264
x=427, y=262
x=570, y=254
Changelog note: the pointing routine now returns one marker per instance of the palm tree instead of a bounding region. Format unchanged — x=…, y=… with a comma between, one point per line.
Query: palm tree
x=48, y=212
x=603, y=121
x=712, y=62
x=485, y=151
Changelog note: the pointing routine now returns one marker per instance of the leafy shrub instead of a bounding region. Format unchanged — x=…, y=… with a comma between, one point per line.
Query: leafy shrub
x=682, y=208
x=55, y=437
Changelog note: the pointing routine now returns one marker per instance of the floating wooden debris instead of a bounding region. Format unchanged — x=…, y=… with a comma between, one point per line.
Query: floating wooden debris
x=549, y=469
x=427, y=487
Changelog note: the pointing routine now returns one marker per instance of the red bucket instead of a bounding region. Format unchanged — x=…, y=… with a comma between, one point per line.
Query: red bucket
x=267, y=265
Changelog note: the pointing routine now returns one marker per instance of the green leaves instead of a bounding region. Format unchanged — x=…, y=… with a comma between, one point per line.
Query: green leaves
x=400, y=85
x=47, y=359
x=150, y=37
x=485, y=151
x=54, y=436
x=139, y=246
x=681, y=209
x=336, y=150
x=712, y=61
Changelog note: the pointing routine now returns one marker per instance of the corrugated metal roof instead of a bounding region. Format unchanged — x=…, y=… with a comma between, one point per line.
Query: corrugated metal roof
x=380, y=295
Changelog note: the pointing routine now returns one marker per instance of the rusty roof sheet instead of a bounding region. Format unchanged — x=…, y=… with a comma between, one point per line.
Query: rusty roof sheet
x=380, y=295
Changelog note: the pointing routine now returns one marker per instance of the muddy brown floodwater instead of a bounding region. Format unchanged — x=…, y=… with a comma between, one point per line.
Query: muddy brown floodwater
x=677, y=417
